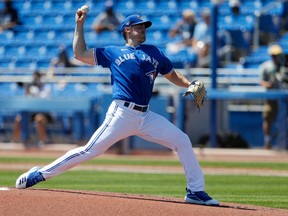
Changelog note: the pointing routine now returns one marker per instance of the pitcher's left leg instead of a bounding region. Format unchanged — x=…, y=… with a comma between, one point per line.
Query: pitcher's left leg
x=156, y=128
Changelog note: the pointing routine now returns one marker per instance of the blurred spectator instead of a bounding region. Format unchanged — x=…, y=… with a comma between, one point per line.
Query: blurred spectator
x=182, y=32
x=8, y=17
x=35, y=89
x=235, y=6
x=274, y=76
x=108, y=20
x=62, y=61
x=237, y=48
x=202, y=38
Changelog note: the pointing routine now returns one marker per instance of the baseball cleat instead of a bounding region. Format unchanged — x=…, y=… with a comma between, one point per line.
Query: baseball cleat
x=29, y=178
x=200, y=198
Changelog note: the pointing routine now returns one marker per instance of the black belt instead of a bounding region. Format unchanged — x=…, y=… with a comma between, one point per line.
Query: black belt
x=136, y=107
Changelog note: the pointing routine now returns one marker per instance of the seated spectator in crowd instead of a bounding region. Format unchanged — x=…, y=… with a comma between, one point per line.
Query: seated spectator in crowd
x=273, y=76
x=9, y=17
x=35, y=89
x=235, y=6
x=108, y=20
x=182, y=32
x=62, y=61
x=235, y=15
x=202, y=38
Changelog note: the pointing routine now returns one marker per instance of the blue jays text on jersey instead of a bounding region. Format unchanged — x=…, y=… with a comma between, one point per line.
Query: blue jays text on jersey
x=128, y=56
x=133, y=70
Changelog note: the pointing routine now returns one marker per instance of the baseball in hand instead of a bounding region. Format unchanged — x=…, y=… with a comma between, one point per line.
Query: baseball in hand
x=85, y=8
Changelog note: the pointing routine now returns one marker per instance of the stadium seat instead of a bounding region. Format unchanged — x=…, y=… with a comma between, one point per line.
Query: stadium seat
x=70, y=89
x=24, y=36
x=182, y=58
x=22, y=5
x=249, y=7
x=188, y=4
x=9, y=89
x=270, y=24
x=42, y=5
x=26, y=63
x=224, y=9
x=240, y=31
x=15, y=51
x=32, y=19
x=64, y=36
x=158, y=37
x=43, y=63
x=236, y=22
x=126, y=7
x=65, y=5
x=163, y=21
x=255, y=58
x=45, y=35
x=145, y=7
x=50, y=20
x=7, y=37
x=204, y=3
x=7, y=63
x=41, y=51
x=241, y=39
x=106, y=38
x=33, y=51
x=169, y=7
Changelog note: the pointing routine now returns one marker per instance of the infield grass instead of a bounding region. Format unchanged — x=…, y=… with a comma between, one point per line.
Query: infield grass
x=152, y=162
x=269, y=191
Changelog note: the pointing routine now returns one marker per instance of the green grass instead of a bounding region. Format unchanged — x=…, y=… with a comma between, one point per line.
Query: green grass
x=269, y=191
x=154, y=162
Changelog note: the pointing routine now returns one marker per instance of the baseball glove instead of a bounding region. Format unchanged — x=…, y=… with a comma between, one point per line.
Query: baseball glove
x=197, y=89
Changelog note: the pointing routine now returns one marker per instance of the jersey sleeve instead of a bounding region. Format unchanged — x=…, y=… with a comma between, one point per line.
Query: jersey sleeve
x=102, y=56
x=166, y=66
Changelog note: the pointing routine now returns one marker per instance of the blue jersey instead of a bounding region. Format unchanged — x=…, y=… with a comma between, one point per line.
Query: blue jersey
x=133, y=70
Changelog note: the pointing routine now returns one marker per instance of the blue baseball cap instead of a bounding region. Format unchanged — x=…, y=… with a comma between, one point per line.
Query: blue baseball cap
x=134, y=20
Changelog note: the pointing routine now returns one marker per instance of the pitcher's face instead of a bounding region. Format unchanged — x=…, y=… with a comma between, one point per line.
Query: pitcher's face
x=138, y=33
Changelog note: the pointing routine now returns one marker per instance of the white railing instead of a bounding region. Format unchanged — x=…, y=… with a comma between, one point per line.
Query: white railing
x=225, y=77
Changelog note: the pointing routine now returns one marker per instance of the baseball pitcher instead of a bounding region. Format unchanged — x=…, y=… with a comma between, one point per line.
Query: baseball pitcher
x=134, y=68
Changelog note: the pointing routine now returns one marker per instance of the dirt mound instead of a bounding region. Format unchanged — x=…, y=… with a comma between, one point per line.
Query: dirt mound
x=46, y=202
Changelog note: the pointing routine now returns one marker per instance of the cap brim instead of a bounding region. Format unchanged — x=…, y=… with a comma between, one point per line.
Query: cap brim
x=146, y=23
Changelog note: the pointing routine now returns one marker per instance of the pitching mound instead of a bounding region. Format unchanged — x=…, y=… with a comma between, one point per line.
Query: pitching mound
x=46, y=202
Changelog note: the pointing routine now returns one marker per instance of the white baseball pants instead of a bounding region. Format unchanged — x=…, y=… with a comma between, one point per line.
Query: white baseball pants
x=121, y=122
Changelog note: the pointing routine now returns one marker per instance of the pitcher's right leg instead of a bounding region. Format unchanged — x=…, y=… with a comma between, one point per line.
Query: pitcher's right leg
x=113, y=129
